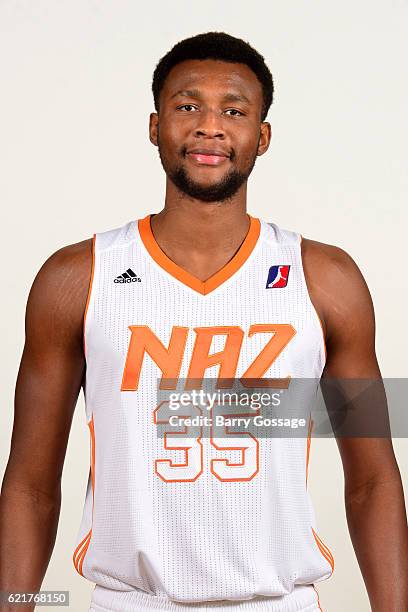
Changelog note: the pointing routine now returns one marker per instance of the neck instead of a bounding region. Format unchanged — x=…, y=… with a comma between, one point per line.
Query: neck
x=201, y=227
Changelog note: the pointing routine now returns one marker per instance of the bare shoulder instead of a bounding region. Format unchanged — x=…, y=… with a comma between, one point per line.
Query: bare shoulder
x=58, y=294
x=73, y=259
x=328, y=257
x=336, y=286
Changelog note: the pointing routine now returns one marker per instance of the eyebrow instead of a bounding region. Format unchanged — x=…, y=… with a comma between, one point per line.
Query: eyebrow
x=229, y=96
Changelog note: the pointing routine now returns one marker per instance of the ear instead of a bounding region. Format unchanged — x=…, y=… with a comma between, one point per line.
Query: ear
x=153, y=127
x=264, y=137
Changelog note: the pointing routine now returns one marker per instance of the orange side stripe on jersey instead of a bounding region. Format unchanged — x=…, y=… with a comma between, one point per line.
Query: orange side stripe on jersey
x=323, y=545
x=77, y=552
x=185, y=277
x=325, y=555
x=89, y=290
x=81, y=549
x=309, y=435
x=83, y=553
x=324, y=550
x=92, y=432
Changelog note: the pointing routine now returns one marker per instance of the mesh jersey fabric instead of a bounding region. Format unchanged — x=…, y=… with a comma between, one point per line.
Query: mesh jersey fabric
x=194, y=534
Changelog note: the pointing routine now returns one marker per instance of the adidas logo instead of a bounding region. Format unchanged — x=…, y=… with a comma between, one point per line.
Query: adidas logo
x=127, y=277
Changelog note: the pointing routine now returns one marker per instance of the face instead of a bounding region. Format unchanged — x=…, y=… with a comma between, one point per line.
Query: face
x=208, y=130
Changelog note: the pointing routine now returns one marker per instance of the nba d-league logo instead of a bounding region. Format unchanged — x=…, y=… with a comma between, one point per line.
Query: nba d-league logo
x=277, y=277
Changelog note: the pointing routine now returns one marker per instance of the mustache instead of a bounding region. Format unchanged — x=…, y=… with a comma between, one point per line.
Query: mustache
x=184, y=153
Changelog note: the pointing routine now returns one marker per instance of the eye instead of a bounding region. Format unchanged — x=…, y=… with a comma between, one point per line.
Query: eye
x=234, y=110
x=187, y=107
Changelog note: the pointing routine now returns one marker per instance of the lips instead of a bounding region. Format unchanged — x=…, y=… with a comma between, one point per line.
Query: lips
x=209, y=157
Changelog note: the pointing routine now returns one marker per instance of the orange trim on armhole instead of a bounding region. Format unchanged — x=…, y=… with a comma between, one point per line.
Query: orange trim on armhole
x=89, y=291
x=80, y=551
x=314, y=307
x=324, y=549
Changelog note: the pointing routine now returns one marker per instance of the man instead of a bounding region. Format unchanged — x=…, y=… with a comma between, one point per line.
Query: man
x=200, y=290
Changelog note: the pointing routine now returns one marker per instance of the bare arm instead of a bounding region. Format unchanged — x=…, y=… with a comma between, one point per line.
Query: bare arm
x=374, y=498
x=48, y=383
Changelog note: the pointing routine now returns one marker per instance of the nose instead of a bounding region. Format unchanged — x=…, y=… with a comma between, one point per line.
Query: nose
x=209, y=124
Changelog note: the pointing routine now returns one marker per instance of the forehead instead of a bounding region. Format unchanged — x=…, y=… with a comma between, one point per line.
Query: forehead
x=215, y=76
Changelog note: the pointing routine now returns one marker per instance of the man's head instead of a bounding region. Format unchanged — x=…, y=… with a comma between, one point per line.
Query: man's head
x=212, y=93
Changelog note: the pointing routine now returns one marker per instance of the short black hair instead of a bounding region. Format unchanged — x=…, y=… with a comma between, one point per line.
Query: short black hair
x=217, y=46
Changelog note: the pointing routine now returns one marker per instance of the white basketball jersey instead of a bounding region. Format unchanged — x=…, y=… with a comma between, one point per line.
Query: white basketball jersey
x=175, y=519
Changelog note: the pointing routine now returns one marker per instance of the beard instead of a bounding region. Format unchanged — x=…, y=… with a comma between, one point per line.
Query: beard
x=218, y=191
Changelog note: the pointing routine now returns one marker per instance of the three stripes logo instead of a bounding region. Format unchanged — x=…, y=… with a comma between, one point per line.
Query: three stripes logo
x=127, y=277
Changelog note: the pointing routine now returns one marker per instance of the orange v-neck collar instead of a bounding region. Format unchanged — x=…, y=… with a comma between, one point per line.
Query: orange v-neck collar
x=217, y=279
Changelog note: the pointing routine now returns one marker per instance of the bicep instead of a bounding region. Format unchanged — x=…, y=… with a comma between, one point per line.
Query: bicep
x=50, y=376
x=352, y=361
x=350, y=324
